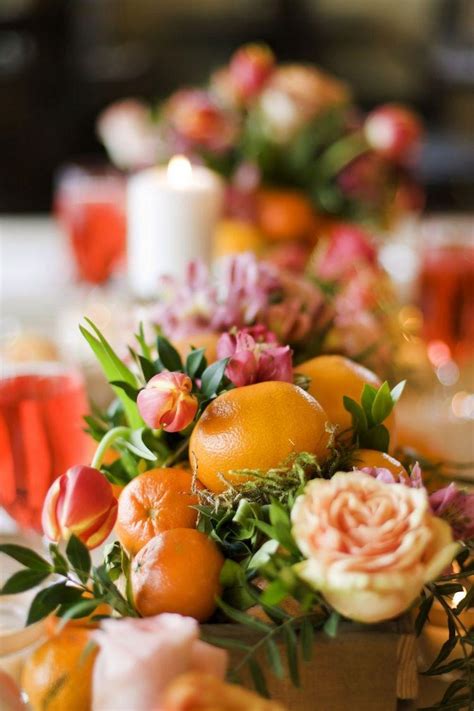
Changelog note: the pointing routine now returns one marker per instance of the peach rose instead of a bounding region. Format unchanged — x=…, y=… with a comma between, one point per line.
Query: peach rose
x=139, y=658
x=370, y=546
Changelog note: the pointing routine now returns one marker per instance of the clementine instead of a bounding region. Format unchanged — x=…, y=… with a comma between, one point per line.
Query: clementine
x=235, y=237
x=284, y=214
x=177, y=571
x=58, y=674
x=203, y=339
x=255, y=427
x=373, y=458
x=332, y=377
x=153, y=502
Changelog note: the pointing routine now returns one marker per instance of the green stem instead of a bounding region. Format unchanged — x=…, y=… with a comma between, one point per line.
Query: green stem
x=106, y=442
x=175, y=455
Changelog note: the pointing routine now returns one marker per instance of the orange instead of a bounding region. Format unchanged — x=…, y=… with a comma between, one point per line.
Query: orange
x=177, y=571
x=332, y=377
x=57, y=675
x=284, y=214
x=153, y=502
x=235, y=237
x=255, y=427
x=203, y=339
x=373, y=458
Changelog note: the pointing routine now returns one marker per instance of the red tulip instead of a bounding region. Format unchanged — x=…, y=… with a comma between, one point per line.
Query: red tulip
x=80, y=502
x=250, y=67
x=392, y=131
x=167, y=403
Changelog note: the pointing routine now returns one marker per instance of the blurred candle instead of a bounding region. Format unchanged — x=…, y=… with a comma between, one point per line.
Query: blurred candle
x=172, y=213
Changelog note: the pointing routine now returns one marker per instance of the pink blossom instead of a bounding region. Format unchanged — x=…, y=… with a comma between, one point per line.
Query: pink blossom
x=255, y=356
x=348, y=247
x=139, y=658
x=414, y=481
x=457, y=508
x=393, y=131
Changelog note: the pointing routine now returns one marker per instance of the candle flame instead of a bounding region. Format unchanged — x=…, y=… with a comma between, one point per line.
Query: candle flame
x=179, y=171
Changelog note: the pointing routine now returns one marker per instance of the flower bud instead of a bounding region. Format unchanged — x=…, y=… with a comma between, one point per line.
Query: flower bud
x=167, y=403
x=392, y=131
x=80, y=502
x=250, y=68
x=198, y=121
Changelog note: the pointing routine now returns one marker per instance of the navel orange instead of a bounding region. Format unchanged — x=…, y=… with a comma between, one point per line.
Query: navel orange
x=284, y=214
x=153, y=502
x=332, y=377
x=58, y=674
x=373, y=458
x=177, y=571
x=255, y=427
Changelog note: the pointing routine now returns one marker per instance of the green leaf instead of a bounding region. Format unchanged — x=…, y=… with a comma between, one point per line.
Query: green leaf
x=423, y=613
x=242, y=618
x=274, y=593
x=397, y=391
x=128, y=389
x=359, y=420
x=196, y=362
x=83, y=608
x=60, y=563
x=279, y=515
x=212, y=377
x=292, y=654
x=447, y=647
x=377, y=438
x=114, y=369
x=231, y=573
x=24, y=580
x=134, y=442
x=141, y=340
x=307, y=639
x=25, y=556
x=332, y=624
x=168, y=355
x=49, y=599
x=79, y=557
x=148, y=368
x=263, y=555
x=367, y=400
x=382, y=405
x=258, y=677
x=274, y=658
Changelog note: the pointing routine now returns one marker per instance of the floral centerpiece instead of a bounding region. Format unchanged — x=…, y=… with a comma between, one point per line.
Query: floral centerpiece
x=245, y=491
x=296, y=151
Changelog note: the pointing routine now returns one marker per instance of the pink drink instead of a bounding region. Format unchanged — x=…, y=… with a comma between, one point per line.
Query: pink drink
x=41, y=435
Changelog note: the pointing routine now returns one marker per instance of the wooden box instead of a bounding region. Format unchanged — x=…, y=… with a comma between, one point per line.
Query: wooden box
x=363, y=668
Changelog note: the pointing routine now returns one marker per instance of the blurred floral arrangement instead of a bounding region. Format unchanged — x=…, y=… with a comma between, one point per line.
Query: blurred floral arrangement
x=295, y=149
x=238, y=495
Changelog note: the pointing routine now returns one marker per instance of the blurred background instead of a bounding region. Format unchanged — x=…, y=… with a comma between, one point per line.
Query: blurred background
x=62, y=62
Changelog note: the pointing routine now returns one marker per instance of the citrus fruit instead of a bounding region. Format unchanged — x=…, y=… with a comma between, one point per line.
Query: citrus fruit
x=202, y=339
x=177, y=571
x=332, y=377
x=255, y=427
x=58, y=674
x=236, y=236
x=284, y=214
x=153, y=502
x=372, y=458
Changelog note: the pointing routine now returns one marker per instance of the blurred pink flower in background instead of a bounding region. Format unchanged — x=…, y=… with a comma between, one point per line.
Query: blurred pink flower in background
x=139, y=658
x=255, y=356
x=346, y=248
x=250, y=68
x=457, y=508
x=393, y=131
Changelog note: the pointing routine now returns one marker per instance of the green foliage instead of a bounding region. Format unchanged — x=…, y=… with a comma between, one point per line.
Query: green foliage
x=367, y=417
x=76, y=577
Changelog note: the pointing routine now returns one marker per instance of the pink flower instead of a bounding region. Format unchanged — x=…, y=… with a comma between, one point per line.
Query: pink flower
x=197, y=121
x=80, y=502
x=393, y=131
x=128, y=133
x=347, y=247
x=139, y=658
x=166, y=402
x=255, y=356
x=415, y=480
x=370, y=546
x=250, y=68
x=365, y=178
x=457, y=508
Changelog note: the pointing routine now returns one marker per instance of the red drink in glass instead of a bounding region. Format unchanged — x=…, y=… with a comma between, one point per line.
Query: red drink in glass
x=41, y=435
x=90, y=206
x=446, y=284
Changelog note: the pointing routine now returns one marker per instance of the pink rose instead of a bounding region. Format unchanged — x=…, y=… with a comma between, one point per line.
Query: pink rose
x=138, y=658
x=370, y=546
x=255, y=356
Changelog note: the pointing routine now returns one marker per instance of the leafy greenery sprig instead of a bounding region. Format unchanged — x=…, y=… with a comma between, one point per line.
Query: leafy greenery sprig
x=368, y=430
x=78, y=587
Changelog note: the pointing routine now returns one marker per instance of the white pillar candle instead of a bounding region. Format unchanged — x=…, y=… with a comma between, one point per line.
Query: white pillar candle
x=172, y=212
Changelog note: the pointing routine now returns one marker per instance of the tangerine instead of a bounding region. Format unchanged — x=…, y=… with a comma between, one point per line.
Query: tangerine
x=58, y=674
x=202, y=339
x=284, y=214
x=373, y=458
x=332, y=377
x=153, y=502
x=177, y=571
x=255, y=427
x=235, y=237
